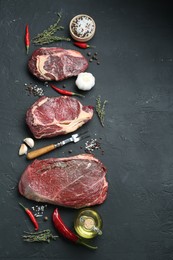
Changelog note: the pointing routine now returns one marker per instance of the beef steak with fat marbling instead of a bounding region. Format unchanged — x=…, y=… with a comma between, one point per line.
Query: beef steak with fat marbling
x=54, y=63
x=53, y=116
x=76, y=182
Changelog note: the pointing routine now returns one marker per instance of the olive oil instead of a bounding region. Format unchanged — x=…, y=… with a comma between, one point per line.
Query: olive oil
x=88, y=223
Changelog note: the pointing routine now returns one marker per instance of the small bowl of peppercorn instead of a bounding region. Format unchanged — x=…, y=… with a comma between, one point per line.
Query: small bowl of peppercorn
x=82, y=28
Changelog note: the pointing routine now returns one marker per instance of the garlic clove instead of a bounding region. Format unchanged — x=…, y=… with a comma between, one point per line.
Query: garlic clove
x=29, y=141
x=23, y=149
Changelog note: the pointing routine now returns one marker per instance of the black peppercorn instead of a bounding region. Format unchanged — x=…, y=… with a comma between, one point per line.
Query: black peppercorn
x=45, y=218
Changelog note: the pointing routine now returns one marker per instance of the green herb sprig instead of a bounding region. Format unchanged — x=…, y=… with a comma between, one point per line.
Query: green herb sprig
x=41, y=236
x=47, y=36
x=100, y=109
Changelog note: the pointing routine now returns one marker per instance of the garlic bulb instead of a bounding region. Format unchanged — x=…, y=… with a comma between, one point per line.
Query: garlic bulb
x=23, y=149
x=85, y=81
x=29, y=141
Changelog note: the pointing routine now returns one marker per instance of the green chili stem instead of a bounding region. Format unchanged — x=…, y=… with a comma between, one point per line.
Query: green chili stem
x=85, y=244
x=22, y=206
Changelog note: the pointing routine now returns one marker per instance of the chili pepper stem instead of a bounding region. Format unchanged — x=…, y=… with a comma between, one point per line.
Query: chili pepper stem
x=85, y=244
x=27, y=50
x=22, y=206
x=90, y=46
x=76, y=94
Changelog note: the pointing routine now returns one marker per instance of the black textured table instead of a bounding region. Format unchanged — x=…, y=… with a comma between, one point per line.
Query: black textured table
x=134, y=41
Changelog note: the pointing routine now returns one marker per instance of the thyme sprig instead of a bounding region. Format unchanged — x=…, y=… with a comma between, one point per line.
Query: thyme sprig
x=40, y=236
x=50, y=39
x=47, y=36
x=100, y=109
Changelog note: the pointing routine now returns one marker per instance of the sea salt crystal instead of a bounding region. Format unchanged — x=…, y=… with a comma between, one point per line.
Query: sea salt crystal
x=39, y=210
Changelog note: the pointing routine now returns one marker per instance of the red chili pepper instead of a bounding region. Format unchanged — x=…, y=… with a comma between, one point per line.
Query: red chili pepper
x=27, y=38
x=65, y=92
x=30, y=214
x=83, y=45
x=66, y=232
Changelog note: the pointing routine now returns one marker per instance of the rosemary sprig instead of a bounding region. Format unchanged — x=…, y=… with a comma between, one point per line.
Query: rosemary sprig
x=100, y=109
x=50, y=39
x=41, y=236
x=47, y=36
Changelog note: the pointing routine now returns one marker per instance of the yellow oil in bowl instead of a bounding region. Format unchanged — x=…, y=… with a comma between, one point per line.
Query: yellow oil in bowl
x=88, y=223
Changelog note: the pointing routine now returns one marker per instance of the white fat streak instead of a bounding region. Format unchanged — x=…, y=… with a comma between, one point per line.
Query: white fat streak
x=40, y=65
x=40, y=103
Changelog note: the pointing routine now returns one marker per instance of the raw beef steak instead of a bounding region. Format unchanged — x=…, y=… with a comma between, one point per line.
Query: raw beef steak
x=75, y=182
x=52, y=116
x=56, y=63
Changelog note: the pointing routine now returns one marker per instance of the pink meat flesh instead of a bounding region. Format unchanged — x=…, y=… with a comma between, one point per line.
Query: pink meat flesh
x=75, y=182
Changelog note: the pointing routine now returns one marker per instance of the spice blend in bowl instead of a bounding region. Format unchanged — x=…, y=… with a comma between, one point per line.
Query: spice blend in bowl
x=82, y=28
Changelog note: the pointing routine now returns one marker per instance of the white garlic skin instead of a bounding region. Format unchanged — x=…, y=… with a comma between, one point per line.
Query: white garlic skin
x=85, y=81
x=23, y=149
x=29, y=141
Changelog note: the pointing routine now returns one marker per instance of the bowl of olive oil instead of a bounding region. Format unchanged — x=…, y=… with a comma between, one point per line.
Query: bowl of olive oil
x=88, y=223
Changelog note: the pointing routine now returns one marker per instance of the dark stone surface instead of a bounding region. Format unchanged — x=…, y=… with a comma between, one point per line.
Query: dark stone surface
x=134, y=41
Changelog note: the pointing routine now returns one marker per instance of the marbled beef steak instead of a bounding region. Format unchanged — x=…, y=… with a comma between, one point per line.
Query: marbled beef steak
x=53, y=116
x=53, y=63
x=75, y=182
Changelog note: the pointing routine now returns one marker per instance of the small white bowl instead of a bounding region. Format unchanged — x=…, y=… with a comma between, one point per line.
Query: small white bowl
x=82, y=28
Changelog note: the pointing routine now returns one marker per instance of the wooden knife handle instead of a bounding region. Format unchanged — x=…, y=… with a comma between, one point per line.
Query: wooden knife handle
x=41, y=151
